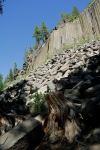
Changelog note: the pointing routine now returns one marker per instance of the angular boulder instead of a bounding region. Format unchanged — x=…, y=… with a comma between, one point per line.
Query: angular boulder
x=26, y=136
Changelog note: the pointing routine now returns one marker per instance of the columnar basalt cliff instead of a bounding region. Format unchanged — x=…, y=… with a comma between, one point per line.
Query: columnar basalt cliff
x=86, y=27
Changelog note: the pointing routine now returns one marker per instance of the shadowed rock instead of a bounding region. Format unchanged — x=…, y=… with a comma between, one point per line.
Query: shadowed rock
x=25, y=136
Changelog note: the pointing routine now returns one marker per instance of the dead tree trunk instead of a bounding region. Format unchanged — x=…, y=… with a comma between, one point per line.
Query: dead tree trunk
x=62, y=124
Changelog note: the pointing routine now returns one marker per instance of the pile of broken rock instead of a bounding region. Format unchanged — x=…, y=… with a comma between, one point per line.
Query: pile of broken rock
x=71, y=81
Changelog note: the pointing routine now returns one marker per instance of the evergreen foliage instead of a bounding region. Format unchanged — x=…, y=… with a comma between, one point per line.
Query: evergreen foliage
x=75, y=12
x=30, y=50
x=6, y=80
x=36, y=46
x=44, y=32
x=11, y=76
x=43, y=28
x=15, y=70
x=26, y=53
x=37, y=34
x=40, y=34
x=69, y=17
x=65, y=18
x=1, y=82
x=1, y=9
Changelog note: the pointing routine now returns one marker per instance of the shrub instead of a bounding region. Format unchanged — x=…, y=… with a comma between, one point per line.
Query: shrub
x=38, y=104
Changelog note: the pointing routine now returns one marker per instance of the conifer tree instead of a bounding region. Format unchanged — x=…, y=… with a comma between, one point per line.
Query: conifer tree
x=6, y=80
x=43, y=28
x=11, y=76
x=15, y=69
x=40, y=34
x=75, y=12
x=37, y=35
x=25, y=55
x=1, y=82
x=1, y=9
x=69, y=17
x=36, y=46
x=30, y=50
x=65, y=18
x=44, y=32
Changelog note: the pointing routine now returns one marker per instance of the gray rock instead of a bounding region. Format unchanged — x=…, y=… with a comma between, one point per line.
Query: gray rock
x=26, y=88
x=64, y=68
x=58, y=76
x=43, y=89
x=51, y=86
x=25, y=136
x=54, y=70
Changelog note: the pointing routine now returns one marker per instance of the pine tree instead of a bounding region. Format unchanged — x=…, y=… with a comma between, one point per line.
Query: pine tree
x=6, y=80
x=75, y=12
x=25, y=55
x=44, y=32
x=11, y=76
x=37, y=35
x=36, y=46
x=15, y=70
x=31, y=50
x=1, y=9
x=1, y=82
x=43, y=28
x=65, y=18
x=69, y=17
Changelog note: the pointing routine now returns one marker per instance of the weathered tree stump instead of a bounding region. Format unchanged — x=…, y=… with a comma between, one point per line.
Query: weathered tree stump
x=62, y=123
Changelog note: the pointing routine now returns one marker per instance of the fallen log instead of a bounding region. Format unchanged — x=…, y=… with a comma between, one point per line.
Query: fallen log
x=26, y=136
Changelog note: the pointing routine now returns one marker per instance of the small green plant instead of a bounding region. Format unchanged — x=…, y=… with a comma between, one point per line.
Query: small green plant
x=38, y=104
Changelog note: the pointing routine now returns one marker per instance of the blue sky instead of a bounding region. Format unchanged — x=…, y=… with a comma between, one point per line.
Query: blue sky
x=18, y=22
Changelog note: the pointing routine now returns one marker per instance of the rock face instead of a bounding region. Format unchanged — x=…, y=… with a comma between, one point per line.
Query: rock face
x=77, y=63
x=85, y=27
x=74, y=72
